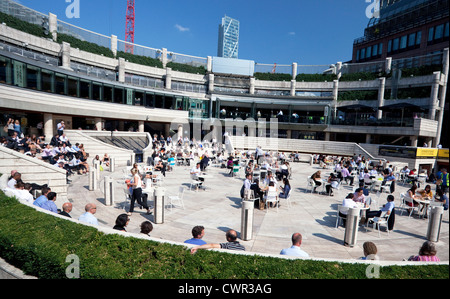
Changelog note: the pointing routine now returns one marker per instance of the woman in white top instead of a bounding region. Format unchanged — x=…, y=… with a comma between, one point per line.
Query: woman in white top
x=136, y=185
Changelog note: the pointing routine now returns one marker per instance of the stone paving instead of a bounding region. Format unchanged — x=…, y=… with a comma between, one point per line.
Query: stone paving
x=218, y=208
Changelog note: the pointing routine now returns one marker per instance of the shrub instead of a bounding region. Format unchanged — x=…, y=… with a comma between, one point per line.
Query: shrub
x=138, y=59
x=84, y=45
x=23, y=26
x=273, y=77
x=38, y=244
x=186, y=68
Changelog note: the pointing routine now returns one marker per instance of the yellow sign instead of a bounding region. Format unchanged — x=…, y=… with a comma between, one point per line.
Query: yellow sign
x=427, y=152
x=443, y=153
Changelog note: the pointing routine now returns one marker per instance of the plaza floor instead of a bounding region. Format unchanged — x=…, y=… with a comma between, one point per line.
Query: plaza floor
x=218, y=208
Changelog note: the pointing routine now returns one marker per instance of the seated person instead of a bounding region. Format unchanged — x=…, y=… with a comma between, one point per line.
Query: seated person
x=388, y=207
x=105, y=160
x=160, y=166
x=259, y=193
x=359, y=196
x=347, y=203
x=442, y=198
x=195, y=173
x=317, y=180
x=332, y=183
x=425, y=193
x=285, y=189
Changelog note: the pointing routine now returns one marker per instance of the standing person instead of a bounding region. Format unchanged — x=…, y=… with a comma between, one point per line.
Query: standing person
x=197, y=234
x=10, y=125
x=88, y=217
x=444, y=180
x=136, y=185
x=231, y=244
x=40, y=127
x=295, y=250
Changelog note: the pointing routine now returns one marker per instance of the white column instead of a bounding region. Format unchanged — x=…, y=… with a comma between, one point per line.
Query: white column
x=53, y=26
x=48, y=126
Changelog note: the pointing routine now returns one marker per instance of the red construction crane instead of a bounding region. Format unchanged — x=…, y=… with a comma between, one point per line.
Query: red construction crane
x=129, y=27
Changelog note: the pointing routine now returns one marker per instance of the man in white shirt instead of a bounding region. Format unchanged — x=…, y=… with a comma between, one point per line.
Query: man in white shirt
x=295, y=250
x=89, y=217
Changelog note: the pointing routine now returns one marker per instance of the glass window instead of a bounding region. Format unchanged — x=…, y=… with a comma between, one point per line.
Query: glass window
x=418, y=37
x=357, y=54
x=431, y=34
x=403, y=41
x=72, y=86
x=389, y=49
x=368, y=51
x=5, y=70
x=32, y=77
x=60, y=81
x=96, y=92
x=363, y=53
x=439, y=33
x=84, y=89
x=446, y=30
x=380, y=49
x=411, y=39
x=47, y=81
x=118, y=95
x=395, y=44
x=108, y=93
x=375, y=50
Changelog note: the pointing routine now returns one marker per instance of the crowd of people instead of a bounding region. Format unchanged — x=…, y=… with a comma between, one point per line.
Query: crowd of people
x=275, y=165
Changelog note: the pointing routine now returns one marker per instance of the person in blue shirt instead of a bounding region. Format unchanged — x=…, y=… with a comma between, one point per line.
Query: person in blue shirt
x=295, y=250
x=441, y=197
x=197, y=234
x=389, y=206
x=285, y=189
x=43, y=198
x=50, y=205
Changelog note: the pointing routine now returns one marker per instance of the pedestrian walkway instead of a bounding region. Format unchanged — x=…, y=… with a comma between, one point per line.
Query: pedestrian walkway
x=218, y=208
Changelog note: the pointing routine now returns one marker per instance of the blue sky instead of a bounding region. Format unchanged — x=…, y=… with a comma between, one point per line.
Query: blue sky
x=312, y=32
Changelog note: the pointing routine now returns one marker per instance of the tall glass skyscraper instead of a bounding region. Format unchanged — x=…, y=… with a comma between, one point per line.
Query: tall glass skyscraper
x=228, y=38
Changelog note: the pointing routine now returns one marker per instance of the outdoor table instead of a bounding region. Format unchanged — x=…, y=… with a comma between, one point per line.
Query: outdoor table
x=425, y=203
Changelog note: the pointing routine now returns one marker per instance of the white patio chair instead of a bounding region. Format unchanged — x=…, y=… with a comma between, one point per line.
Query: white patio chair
x=338, y=217
x=382, y=220
x=177, y=198
x=271, y=197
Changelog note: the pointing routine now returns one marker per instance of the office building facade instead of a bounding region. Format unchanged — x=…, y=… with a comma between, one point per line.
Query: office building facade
x=228, y=38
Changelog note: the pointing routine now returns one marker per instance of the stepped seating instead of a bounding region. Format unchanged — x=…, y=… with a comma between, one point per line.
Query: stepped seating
x=94, y=146
x=36, y=171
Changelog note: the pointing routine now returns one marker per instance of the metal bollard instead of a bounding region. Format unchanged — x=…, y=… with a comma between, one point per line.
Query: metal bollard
x=351, y=227
x=247, y=220
x=92, y=179
x=109, y=191
x=112, y=164
x=159, y=199
x=434, y=224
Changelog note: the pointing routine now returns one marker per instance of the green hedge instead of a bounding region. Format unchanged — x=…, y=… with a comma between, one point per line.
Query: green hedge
x=316, y=77
x=361, y=95
x=84, y=45
x=186, y=68
x=273, y=77
x=39, y=243
x=22, y=25
x=138, y=59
